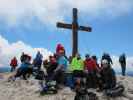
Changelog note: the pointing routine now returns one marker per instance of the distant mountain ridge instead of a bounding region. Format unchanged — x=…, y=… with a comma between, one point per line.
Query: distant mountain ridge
x=4, y=69
x=128, y=73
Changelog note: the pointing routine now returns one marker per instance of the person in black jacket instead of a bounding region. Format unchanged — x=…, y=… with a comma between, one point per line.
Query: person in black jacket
x=52, y=66
x=23, y=57
x=122, y=61
x=107, y=76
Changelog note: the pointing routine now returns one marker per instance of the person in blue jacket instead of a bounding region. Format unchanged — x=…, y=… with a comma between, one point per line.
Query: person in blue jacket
x=24, y=69
x=38, y=60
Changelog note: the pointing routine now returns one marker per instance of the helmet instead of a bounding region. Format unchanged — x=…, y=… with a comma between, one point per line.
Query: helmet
x=104, y=61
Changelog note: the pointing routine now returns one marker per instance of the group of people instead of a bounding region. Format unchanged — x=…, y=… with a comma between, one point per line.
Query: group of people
x=58, y=66
x=24, y=69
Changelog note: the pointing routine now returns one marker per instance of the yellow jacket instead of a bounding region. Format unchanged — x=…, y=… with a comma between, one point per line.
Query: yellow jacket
x=77, y=64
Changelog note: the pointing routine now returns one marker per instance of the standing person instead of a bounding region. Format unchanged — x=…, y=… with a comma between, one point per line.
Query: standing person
x=122, y=61
x=38, y=60
x=13, y=64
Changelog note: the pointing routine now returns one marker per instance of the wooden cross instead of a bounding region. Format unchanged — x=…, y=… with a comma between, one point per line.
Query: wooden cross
x=75, y=27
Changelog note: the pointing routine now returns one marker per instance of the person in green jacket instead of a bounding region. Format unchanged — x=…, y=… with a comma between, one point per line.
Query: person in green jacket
x=77, y=66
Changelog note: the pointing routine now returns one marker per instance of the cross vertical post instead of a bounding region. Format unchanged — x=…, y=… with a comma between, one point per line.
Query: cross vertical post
x=75, y=27
x=75, y=32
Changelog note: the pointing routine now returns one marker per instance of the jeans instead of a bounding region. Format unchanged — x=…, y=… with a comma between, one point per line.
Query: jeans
x=123, y=68
x=13, y=69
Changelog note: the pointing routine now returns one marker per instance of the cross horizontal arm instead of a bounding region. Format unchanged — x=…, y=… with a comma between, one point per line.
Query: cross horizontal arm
x=62, y=25
x=83, y=28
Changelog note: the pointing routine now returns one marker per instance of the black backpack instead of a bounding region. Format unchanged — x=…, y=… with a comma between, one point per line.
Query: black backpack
x=117, y=91
x=83, y=94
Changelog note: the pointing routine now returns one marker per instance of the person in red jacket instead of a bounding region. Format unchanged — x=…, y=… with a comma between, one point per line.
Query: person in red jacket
x=90, y=64
x=90, y=68
x=13, y=64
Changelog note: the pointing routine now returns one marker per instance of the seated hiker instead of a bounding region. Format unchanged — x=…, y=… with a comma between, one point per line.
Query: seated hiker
x=98, y=69
x=52, y=65
x=46, y=64
x=107, y=76
x=90, y=69
x=41, y=74
x=13, y=64
x=24, y=70
x=77, y=66
x=112, y=89
x=77, y=69
x=61, y=68
x=46, y=76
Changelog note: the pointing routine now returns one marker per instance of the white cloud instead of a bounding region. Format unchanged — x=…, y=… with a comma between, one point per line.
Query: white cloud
x=49, y=11
x=9, y=50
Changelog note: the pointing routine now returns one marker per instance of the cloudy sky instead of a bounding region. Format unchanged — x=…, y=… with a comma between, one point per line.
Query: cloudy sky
x=29, y=25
